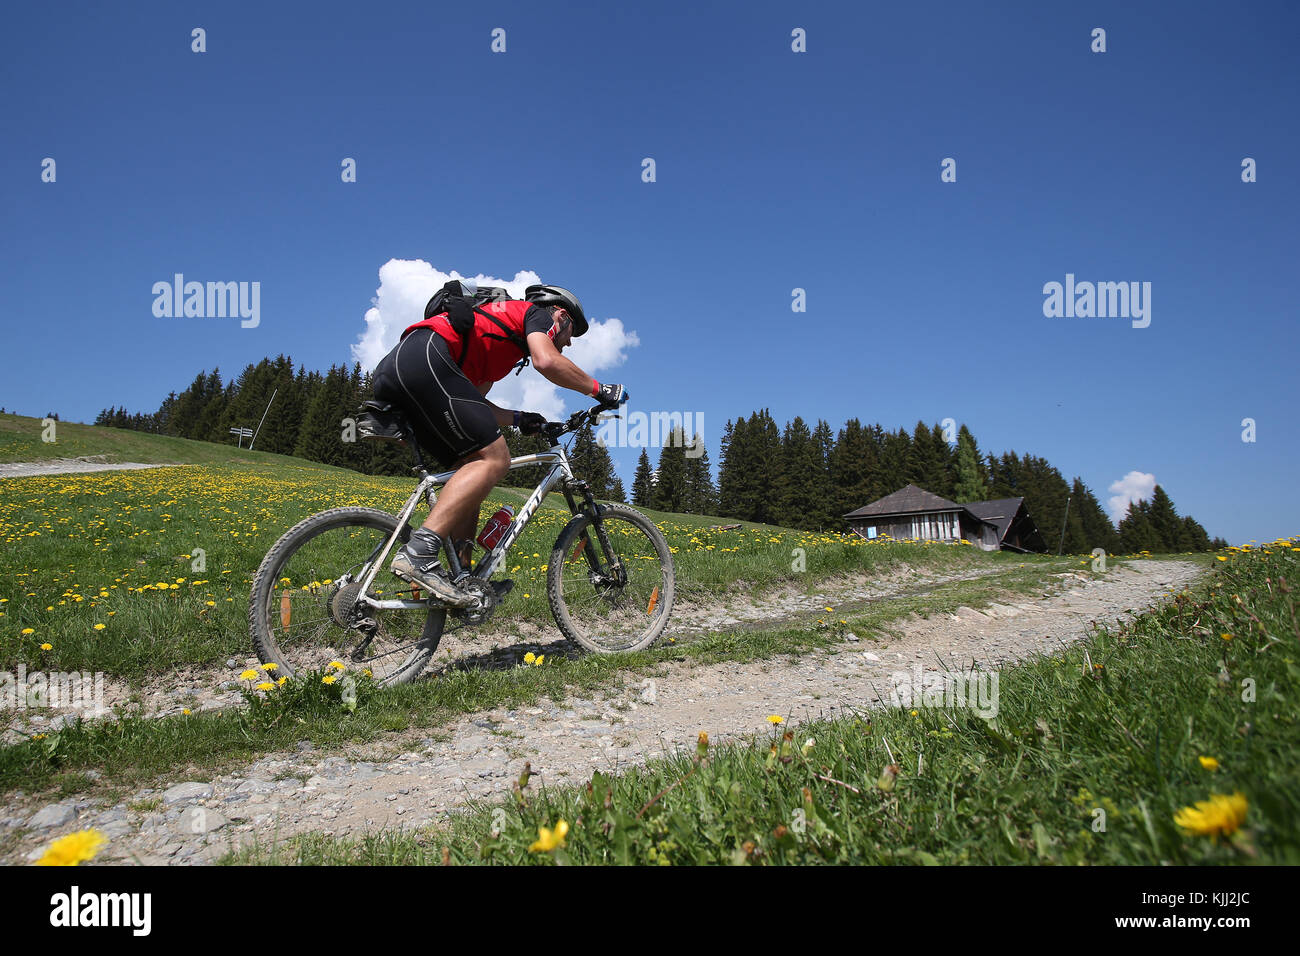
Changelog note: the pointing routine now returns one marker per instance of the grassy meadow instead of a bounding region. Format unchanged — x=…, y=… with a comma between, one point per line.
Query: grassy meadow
x=1173, y=739
x=137, y=572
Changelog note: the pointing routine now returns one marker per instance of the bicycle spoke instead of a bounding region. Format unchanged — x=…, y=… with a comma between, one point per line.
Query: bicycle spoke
x=607, y=614
x=313, y=615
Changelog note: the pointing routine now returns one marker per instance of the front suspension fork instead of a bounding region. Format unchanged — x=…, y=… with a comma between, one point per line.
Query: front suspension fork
x=615, y=573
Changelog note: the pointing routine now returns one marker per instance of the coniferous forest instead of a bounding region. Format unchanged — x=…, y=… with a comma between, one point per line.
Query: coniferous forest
x=795, y=475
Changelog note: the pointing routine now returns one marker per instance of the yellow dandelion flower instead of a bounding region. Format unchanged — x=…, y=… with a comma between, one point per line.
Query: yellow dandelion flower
x=530, y=657
x=337, y=665
x=47, y=647
x=548, y=839
x=73, y=849
x=775, y=719
x=270, y=666
x=266, y=685
x=100, y=627
x=328, y=679
x=540, y=659
x=1209, y=763
x=249, y=674
x=1218, y=816
x=1226, y=637
x=29, y=630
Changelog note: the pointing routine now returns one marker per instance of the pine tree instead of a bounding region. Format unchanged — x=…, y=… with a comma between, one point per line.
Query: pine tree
x=971, y=484
x=700, y=497
x=1136, y=531
x=893, y=470
x=728, y=472
x=1165, y=522
x=670, y=482
x=795, y=497
x=642, y=486
x=1196, y=536
x=1095, y=527
x=821, y=514
x=188, y=409
x=590, y=461
x=320, y=437
x=766, y=455
x=852, y=462
x=751, y=468
x=213, y=414
x=926, y=461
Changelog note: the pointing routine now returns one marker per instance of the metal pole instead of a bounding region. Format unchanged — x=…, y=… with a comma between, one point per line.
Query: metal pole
x=259, y=424
x=1061, y=546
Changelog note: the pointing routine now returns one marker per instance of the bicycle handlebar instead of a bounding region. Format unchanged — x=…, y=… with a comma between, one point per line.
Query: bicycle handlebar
x=585, y=416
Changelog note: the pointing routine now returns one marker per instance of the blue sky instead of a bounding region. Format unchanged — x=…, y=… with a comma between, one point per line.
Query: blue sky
x=775, y=170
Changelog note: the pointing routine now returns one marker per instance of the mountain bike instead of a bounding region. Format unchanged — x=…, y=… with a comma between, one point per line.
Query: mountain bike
x=324, y=592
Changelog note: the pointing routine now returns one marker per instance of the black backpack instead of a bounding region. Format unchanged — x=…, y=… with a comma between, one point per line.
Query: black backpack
x=460, y=309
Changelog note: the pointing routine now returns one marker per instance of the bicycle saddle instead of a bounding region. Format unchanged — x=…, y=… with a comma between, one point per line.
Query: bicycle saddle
x=382, y=421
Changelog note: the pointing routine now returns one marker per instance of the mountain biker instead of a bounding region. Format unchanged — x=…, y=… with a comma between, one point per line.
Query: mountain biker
x=441, y=381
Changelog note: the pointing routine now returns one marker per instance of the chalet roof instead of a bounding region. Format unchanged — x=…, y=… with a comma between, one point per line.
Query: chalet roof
x=906, y=501
x=1000, y=512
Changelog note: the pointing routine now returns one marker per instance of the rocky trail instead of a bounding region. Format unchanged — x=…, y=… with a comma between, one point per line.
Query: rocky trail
x=69, y=466
x=502, y=645
x=419, y=777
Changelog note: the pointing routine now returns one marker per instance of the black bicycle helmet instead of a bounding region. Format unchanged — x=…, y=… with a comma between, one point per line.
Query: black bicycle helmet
x=554, y=295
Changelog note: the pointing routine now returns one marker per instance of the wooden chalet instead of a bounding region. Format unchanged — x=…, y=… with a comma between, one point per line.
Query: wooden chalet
x=914, y=514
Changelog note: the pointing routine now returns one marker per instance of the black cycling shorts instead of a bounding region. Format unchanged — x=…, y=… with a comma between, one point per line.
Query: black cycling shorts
x=450, y=417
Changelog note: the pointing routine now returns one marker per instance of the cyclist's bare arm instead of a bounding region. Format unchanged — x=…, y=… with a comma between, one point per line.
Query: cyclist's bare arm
x=555, y=367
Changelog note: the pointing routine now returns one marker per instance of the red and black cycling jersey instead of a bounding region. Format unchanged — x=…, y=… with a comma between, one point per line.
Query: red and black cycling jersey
x=491, y=351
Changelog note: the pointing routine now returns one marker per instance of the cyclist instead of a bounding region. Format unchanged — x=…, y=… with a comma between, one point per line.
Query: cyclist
x=441, y=379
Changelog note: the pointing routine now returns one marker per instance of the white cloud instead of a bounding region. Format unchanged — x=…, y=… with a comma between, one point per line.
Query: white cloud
x=1135, y=486
x=405, y=286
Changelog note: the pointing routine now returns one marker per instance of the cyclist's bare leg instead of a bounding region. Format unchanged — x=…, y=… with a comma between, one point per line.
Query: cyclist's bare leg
x=455, y=514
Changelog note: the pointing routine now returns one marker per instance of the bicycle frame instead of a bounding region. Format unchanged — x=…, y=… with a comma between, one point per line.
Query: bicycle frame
x=560, y=471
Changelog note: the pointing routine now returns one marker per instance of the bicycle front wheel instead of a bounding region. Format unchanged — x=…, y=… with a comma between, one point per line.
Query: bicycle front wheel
x=305, y=612
x=610, y=583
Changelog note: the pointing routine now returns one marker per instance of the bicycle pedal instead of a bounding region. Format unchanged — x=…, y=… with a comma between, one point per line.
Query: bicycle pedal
x=463, y=599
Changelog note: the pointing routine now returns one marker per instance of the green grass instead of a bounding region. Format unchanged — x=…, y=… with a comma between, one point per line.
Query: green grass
x=131, y=750
x=105, y=569
x=135, y=573
x=1091, y=755
x=21, y=440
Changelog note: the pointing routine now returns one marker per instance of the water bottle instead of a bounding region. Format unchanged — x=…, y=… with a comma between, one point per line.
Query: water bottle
x=496, y=527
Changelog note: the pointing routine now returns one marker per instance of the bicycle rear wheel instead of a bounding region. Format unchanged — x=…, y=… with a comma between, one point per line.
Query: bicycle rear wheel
x=304, y=611
x=614, y=591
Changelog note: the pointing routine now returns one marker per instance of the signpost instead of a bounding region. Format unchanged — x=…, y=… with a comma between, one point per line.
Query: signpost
x=242, y=433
